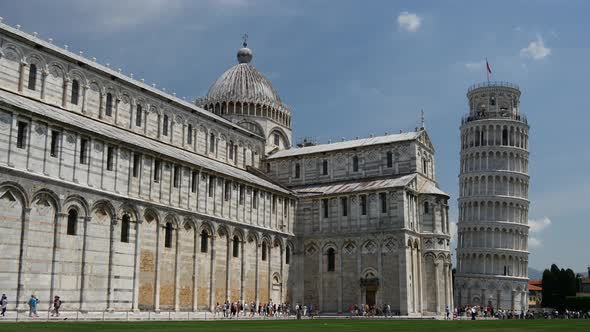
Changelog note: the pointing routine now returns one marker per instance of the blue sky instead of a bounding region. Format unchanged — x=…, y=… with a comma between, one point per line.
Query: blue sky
x=355, y=68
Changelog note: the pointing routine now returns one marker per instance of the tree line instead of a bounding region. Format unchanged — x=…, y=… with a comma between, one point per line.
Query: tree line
x=559, y=285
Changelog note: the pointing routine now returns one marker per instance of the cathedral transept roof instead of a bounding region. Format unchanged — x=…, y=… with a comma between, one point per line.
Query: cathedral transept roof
x=409, y=136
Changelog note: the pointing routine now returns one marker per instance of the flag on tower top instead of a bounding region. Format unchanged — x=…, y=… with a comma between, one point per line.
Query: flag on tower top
x=488, y=67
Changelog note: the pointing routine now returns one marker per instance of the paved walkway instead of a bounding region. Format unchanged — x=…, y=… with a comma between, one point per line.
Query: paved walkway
x=13, y=316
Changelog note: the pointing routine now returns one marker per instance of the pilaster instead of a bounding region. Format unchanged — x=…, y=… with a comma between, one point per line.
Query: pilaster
x=137, y=263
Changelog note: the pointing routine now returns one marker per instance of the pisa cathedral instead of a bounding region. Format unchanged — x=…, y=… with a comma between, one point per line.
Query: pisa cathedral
x=117, y=196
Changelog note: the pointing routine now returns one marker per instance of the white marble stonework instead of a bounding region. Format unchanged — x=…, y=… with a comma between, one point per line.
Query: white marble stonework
x=117, y=196
x=492, y=252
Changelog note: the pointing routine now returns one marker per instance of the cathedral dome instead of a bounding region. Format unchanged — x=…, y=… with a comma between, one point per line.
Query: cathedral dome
x=243, y=84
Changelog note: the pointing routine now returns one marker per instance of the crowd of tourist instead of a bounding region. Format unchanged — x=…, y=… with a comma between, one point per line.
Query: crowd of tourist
x=250, y=310
x=230, y=310
x=365, y=310
x=475, y=312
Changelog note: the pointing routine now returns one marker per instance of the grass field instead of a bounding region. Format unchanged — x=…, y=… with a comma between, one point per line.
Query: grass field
x=307, y=326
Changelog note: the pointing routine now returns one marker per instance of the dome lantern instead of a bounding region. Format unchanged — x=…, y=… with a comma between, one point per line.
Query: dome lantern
x=244, y=54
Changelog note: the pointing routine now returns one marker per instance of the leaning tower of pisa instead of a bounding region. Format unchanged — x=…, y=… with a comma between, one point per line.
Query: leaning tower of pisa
x=492, y=249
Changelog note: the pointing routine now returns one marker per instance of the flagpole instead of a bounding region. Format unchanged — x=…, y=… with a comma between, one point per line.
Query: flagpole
x=487, y=71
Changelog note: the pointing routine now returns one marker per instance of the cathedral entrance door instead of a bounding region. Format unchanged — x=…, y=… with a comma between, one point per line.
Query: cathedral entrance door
x=370, y=298
x=370, y=285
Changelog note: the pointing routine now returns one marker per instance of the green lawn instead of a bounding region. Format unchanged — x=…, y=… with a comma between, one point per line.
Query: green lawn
x=307, y=326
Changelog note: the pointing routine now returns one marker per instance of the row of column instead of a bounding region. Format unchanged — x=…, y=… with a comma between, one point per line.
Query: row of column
x=490, y=238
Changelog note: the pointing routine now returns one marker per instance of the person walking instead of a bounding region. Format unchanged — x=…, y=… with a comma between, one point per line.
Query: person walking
x=3, y=304
x=56, y=306
x=33, y=301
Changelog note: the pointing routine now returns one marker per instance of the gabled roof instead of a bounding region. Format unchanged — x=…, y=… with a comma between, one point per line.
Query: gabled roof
x=409, y=136
x=64, y=117
x=353, y=186
x=430, y=188
x=425, y=139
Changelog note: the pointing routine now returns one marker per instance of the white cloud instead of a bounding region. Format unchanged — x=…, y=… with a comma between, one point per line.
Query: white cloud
x=132, y=13
x=536, y=50
x=128, y=14
x=537, y=225
x=474, y=65
x=534, y=242
x=409, y=21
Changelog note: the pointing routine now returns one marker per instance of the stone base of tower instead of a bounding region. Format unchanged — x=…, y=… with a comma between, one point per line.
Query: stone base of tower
x=500, y=292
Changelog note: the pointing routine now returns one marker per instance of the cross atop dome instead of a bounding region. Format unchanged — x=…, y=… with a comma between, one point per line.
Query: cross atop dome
x=245, y=38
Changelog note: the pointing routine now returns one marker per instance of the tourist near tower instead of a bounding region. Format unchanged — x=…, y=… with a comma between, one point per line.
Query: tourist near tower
x=492, y=249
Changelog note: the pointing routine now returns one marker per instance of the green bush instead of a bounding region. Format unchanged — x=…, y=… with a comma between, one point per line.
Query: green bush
x=578, y=303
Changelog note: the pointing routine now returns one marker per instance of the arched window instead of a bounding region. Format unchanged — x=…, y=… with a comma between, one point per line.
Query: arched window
x=189, y=134
x=165, y=126
x=263, y=251
x=331, y=259
x=138, y=115
x=344, y=205
x=355, y=164
x=426, y=208
x=230, y=154
x=236, y=248
x=325, y=208
x=255, y=199
x=204, y=241
x=505, y=136
x=125, y=224
x=32, y=77
x=383, y=200
x=277, y=139
x=72, y=221
x=75, y=92
x=211, y=186
x=109, y=105
x=325, y=167
x=212, y=143
x=389, y=159
x=176, y=176
x=297, y=171
x=363, y=204
x=168, y=236
x=227, y=190
x=288, y=255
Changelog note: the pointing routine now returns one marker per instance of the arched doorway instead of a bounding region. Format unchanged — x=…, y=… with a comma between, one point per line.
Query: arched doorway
x=370, y=286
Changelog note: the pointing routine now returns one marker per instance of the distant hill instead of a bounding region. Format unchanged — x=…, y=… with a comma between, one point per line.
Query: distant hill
x=535, y=274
